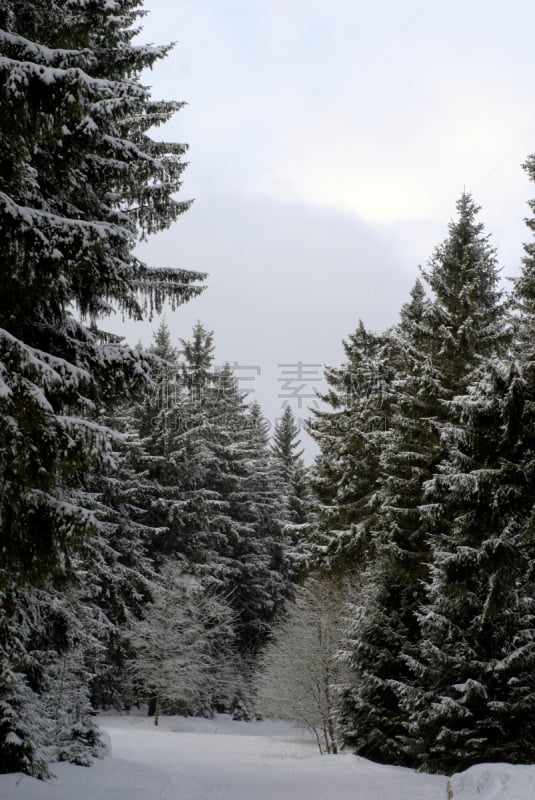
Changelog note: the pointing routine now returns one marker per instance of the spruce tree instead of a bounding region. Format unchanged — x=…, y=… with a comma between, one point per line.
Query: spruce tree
x=351, y=436
x=288, y=453
x=477, y=652
x=383, y=625
x=439, y=345
x=257, y=506
x=286, y=446
x=80, y=181
x=476, y=687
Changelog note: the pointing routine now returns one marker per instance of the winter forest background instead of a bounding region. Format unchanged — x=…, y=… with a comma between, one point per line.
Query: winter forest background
x=158, y=547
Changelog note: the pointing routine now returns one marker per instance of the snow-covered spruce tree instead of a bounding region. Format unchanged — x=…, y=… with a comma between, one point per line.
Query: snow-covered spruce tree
x=477, y=652
x=286, y=445
x=179, y=465
x=287, y=450
x=257, y=501
x=80, y=179
x=524, y=297
x=54, y=644
x=351, y=437
x=440, y=344
x=478, y=647
x=211, y=491
x=383, y=623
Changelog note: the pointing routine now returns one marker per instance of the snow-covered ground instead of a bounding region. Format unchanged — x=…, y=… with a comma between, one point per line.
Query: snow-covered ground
x=196, y=759
x=494, y=782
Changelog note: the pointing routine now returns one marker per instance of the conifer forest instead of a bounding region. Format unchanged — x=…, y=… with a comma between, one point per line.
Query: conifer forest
x=160, y=546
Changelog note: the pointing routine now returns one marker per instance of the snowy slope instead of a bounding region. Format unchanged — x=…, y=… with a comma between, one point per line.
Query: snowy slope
x=195, y=759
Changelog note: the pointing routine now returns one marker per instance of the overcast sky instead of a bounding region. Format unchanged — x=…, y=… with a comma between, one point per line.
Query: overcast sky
x=329, y=142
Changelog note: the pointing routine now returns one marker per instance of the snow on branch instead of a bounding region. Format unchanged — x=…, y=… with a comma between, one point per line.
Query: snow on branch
x=159, y=284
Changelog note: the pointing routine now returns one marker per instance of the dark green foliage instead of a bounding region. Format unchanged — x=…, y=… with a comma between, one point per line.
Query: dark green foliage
x=286, y=445
x=209, y=490
x=475, y=700
x=432, y=357
x=475, y=691
x=286, y=448
x=384, y=635
x=80, y=181
x=351, y=437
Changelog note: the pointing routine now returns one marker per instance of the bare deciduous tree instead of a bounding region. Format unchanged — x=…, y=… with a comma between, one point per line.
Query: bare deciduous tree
x=298, y=670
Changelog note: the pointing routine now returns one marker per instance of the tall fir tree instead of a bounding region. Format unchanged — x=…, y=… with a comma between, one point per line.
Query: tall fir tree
x=351, y=436
x=439, y=345
x=80, y=180
x=286, y=445
x=258, y=507
x=478, y=648
x=370, y=714
x=209, y=488
x=288, y=453
x=477, y=652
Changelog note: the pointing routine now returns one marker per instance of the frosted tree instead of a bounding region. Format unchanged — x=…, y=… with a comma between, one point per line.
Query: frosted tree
x=299, y=672
x=440, y=343
x=45, y=688
x=288, y=453
x=351, y=436
x=477, y=648
x=263, y=576
x=184, y=660
x=80, y=181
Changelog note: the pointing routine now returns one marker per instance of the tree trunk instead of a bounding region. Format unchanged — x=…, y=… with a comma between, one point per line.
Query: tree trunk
x=157, y=707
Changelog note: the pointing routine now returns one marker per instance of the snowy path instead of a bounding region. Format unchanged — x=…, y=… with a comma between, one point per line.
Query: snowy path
x=258, y=768
x=221, y=760
x=225, y=767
